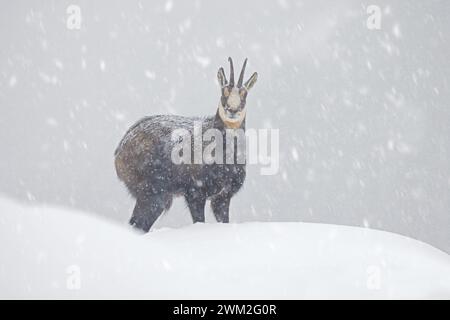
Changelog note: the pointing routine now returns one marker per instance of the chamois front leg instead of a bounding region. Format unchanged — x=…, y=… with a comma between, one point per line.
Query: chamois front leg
x=196, y=202
x=221, y=208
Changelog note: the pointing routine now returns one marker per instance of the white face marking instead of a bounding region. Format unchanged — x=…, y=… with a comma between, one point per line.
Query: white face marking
x=231, y=122
x=234, y=99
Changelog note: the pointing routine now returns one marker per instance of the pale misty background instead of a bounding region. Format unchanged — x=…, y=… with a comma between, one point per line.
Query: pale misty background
x=363, y=114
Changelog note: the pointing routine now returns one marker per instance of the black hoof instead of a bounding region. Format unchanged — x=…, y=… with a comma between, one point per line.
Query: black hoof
x=139, y=225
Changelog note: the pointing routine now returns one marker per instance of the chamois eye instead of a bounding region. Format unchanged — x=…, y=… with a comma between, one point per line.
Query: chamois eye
x=242, y=93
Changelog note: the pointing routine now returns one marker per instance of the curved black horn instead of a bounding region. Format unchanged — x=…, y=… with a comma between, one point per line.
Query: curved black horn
x=241, y=76
x=231, y=72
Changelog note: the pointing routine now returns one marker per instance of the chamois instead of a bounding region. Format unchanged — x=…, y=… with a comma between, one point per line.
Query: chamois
x=143, y=159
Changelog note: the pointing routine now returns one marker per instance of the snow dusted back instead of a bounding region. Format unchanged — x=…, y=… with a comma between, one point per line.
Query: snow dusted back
x=58, y=253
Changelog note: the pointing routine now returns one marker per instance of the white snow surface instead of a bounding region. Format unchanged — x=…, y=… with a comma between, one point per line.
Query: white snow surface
x=42, y=246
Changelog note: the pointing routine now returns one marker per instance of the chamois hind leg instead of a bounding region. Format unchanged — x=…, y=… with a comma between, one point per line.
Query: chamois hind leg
x=146, y=211
x=196, y=201
x=221, y=208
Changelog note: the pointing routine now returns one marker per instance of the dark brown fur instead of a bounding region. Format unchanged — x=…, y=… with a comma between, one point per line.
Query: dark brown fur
x=143, y=162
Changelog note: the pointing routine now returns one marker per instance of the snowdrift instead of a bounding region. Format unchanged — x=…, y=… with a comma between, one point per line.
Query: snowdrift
x=56, y=253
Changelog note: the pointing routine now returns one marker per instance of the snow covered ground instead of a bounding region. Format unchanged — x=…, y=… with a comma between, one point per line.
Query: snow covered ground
x=57, y=253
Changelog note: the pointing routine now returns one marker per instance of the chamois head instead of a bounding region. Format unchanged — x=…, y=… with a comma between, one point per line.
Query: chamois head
x=232, y=102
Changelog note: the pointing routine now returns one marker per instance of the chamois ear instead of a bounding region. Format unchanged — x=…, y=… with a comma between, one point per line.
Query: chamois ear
x=250, y=82
x=221, y=77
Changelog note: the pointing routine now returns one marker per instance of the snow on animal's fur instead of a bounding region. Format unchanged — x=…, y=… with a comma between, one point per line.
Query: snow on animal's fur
x=143, y=159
